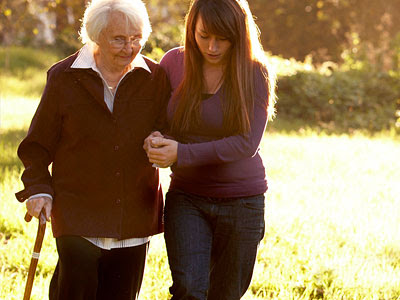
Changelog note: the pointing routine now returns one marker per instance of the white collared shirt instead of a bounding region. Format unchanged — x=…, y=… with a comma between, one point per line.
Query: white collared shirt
x=85, y=60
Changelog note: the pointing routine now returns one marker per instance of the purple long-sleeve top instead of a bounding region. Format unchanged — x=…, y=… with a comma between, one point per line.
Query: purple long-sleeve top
x=210, y=163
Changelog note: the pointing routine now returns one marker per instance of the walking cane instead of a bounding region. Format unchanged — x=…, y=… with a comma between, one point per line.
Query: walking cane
x=35, y=254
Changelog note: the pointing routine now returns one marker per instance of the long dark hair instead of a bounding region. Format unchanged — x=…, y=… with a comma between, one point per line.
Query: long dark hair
x=233, y=20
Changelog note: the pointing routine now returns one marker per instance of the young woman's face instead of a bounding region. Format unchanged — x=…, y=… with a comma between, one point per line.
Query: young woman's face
x=119, y=43
x=214, y=48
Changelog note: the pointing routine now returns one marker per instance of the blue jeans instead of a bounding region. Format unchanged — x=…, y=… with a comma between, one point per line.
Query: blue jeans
x=212, y=244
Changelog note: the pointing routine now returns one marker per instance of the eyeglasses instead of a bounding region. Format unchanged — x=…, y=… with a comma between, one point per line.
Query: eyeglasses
x=120, y=43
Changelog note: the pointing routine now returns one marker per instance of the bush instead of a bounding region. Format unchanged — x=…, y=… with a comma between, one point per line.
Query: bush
x=342, y=101
x=15, y=60
x=23, y=70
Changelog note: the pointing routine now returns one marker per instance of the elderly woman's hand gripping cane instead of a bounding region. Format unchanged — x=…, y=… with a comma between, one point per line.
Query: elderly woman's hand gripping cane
x=39, y=207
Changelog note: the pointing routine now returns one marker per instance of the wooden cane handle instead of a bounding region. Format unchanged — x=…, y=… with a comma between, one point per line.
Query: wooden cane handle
x=27, y=217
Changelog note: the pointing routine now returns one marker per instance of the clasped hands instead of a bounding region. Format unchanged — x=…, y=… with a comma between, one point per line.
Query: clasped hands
x=161, y=151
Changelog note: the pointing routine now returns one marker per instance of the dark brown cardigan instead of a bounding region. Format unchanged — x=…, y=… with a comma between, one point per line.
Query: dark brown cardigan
x=101, y=182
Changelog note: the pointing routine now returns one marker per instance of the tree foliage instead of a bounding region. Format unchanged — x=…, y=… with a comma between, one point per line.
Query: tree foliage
x=167, y=18
x=68, y=15
x=17, y=22
x=333, y=30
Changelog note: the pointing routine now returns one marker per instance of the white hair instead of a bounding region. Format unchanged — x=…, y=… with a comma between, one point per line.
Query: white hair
x=97, y=14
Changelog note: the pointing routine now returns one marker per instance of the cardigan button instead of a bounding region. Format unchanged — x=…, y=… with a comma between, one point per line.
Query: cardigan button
x=118, y=201
x=117, y=174
x=116, y=148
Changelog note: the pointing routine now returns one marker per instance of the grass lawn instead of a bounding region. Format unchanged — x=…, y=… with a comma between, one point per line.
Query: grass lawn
x=333, y=218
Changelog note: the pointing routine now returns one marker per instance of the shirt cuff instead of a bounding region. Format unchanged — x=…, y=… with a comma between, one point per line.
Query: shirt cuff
x=41, y=195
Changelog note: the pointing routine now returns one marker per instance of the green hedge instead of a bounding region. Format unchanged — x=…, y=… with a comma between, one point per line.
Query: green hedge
x=342, y=101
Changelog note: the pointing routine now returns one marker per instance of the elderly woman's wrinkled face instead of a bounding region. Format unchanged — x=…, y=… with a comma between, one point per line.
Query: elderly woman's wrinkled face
x=119, y=42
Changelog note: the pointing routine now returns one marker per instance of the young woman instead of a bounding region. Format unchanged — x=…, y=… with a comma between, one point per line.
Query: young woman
x=223, y=94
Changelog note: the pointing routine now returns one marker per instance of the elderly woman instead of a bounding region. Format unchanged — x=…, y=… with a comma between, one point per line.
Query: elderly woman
x=103, y=196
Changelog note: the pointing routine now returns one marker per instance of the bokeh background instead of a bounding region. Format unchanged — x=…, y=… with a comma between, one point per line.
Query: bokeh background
x=331, y=154
x=338, y=60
